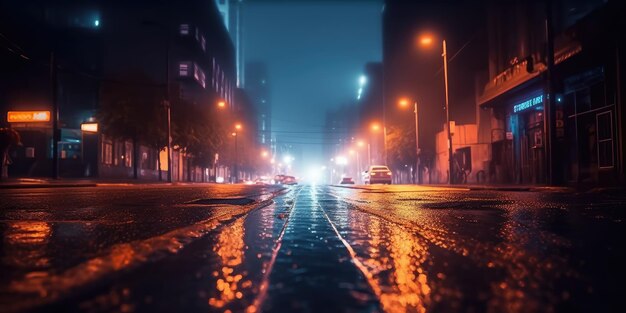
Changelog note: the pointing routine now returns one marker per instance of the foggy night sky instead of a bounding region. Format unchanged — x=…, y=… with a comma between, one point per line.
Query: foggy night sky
x=315, y=53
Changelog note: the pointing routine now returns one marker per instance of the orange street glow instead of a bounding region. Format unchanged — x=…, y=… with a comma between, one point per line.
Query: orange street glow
x=426, y=40
x=28, y=116
x=375, y=126
x=403, y=102
x=238, y=126
x=89, y=127
x=221, y=104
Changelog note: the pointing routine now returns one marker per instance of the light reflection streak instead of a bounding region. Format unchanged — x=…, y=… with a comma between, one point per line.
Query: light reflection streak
x=392, y=261
x=25, y=244
x=230, y=248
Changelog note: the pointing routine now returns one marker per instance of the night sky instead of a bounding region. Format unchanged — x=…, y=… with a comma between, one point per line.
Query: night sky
x=315, y=52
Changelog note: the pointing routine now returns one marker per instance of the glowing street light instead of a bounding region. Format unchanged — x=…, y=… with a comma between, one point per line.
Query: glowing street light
x=341, y=160
x=221, y=104
x=264, y=154
x=238, y=126
x=427, y=40
x=375, y=126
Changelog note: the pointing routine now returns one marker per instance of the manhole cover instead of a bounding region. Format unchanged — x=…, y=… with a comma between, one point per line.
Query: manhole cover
x=231, y=201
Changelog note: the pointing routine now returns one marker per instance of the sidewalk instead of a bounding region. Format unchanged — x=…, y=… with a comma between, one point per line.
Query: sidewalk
x=21, y=183
x=471, y=187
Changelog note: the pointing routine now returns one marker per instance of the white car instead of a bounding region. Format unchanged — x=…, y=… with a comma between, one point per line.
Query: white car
x=377, y=174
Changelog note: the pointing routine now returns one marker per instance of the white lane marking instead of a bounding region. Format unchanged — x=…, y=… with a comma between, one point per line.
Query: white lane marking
x=263, y=288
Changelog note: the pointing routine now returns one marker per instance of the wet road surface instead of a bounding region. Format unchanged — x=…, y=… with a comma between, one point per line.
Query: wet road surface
x=310, y=249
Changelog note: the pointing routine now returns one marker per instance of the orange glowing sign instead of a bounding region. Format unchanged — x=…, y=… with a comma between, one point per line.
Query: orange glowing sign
x=28, y=116
x=89, y=127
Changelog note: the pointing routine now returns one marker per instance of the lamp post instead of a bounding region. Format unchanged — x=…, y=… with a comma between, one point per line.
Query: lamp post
x=236, y=167
x=449, y=131
x=405, y=103
x=426, y=41
x=375, y=127
x=235, y=174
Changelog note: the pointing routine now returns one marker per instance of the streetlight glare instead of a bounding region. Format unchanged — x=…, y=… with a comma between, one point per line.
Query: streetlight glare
x=404, y=102
x=341, y=160
x=375, y=126
x=238, y=126
x=362, y=80
x=426, y=40
x=221, y=104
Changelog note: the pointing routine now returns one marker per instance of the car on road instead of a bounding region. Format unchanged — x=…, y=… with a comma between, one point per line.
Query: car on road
x=278, y=179
x=289, y=180
x=377, y=174
x=347, y=180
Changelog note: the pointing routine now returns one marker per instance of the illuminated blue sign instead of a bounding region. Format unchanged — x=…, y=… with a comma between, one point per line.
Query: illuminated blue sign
x=528, y=104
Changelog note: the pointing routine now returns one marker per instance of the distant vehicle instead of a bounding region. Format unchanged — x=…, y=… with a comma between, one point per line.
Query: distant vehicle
x=262, y=181
x=278, y=179
x=377, y=174
x=289, y=180
x=347, y=180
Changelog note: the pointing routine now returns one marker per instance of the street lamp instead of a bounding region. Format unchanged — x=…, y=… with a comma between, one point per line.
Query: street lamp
x=427, y=41
x=405, y=103
x=221, y=104
x=234, y=134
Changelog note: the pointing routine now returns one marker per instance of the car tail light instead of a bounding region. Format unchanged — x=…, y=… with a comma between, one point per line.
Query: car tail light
x=373, y=174
x=389, y=173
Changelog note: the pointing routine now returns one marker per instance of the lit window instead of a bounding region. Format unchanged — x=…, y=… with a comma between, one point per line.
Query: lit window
x=107, y=152
x=184, y=29
x=128, y=154
x=183, y=69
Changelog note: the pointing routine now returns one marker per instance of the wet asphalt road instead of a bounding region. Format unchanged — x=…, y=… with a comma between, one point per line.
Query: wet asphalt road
x=310, y=249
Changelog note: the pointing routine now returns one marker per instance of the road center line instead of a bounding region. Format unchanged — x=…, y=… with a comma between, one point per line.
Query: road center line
x=262, y=296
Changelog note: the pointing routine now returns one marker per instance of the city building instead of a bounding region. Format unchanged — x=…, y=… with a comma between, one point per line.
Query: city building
x=257, y=87
x=178, y=57
x=232, y=12
x=582, y=143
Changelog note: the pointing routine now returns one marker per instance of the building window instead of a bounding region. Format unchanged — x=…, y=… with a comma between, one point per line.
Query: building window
x=128, y=154
x=183, y=69
x=604, y=123
x=184, y=29
x=203, y=43
x=107, y=152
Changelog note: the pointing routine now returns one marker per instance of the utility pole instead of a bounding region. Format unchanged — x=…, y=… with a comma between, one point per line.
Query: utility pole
x=55, y=116
x=445, y=78
x=549, y=109
x=417, y=144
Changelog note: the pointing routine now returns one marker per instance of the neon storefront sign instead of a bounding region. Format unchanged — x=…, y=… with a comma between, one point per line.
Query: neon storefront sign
x=528, y=104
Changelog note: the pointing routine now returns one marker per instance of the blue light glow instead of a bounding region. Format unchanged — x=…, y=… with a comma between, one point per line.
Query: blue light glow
x=528, y=104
